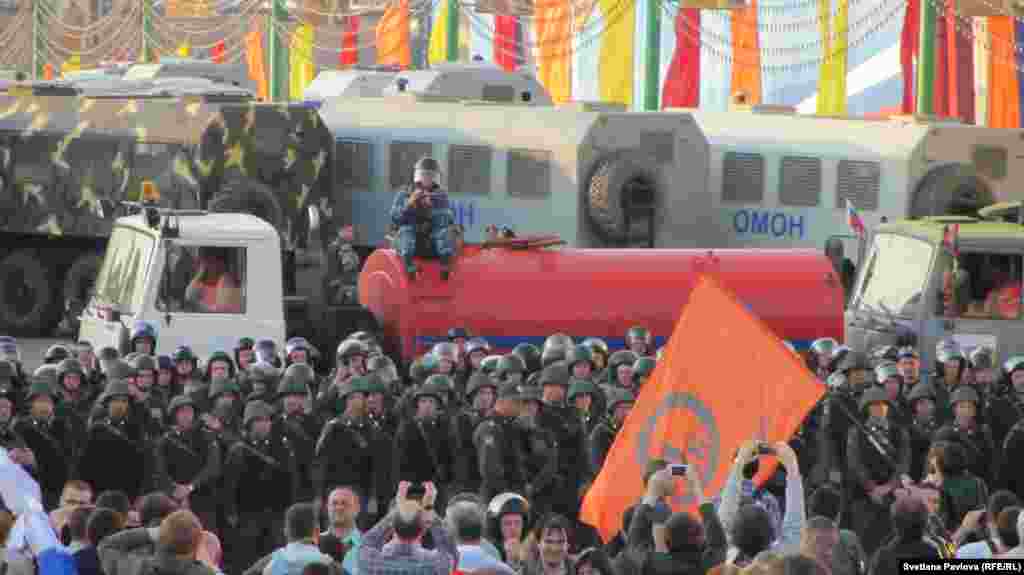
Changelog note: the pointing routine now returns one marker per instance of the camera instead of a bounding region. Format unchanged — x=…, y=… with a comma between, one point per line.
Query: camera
x=764, y=449
x=678, y=469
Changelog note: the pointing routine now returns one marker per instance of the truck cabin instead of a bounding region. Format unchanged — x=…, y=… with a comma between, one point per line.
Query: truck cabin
x=960, y=273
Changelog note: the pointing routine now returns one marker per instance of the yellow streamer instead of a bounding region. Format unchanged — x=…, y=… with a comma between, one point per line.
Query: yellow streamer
x=615, y=67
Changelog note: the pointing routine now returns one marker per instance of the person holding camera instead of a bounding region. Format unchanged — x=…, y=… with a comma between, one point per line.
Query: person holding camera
x=748, y=524
x=682, y=544
x=394, y=545
x=421, y=212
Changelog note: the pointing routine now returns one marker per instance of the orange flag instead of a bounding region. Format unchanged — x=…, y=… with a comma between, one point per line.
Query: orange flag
x=553, y=21
x=746, y=53
x=48, y=71
x=700, y=412
x=393, y=46
x=254, y=61
x=1003, y=108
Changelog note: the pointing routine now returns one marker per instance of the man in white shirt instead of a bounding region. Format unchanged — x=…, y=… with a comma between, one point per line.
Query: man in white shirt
x=466, y=522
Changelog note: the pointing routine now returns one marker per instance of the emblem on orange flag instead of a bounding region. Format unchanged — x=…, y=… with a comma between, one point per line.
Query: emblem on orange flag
x=725, y=378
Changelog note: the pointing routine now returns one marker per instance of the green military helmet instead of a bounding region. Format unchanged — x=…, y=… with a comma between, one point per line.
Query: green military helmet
x=144, y=362
x=581, y=387
x=618, y=397
x=478, y=381
x=69, y=366
x=596, y=344
x=489, y=365
x=921, y=391
x=558, y=340
x=48, y=373
x=177, y=403
x=422, y=368
x=530, y=354
x=552, y=354
x=219, y=388
x=579, y=353
x=639, y=333
x=619, y=358
x=871, y=395
x=264, y=373
x=440, y=381
x=291, y=386
x=117, y=388
x=255, y=410
x=349, y=349
x=554, y=374
x=220, y=356
x=846, y=360
x=643, y=367
x=983, y=357
x=56, y=353
x=358, y=384
x=445, y=350
x=383, y=367
x=8, y=371
x=301, y=373
x=375, y=384
x=184, y=353
x=885, y=371
x=1013, y=364
x=510, y=364
x=41, y=387
x=964, y=393
x=429, y=390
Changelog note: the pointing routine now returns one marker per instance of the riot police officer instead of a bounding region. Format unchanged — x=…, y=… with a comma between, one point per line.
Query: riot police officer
x=965, y=429
x=500, y=442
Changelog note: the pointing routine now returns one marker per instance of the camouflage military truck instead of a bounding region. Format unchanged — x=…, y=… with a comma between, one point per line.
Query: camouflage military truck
x=67, y=162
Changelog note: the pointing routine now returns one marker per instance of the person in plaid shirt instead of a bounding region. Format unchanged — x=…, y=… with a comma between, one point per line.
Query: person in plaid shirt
x=393, y=546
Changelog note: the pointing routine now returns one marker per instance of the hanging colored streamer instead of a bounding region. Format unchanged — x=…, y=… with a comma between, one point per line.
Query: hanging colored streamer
x=1003, y=92
x=300, y=61
x=832, y=70
x=392, y=33
x=908, y=50
x=681, y=88
x=981, y=56
x=553, y=19
x=184, y=50
x=217, y=52
x=505, y=49
x=255, y=62
x=940, y=92
x=746, y=54
x=48, y=71
x=1018, y=29
x=616, y=65
x=959, y=70
x=350, y=42
x=438, y=48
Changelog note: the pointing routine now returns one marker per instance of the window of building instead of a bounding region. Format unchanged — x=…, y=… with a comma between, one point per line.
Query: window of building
x=743, y=178
x=204, y=279
x=352, y=164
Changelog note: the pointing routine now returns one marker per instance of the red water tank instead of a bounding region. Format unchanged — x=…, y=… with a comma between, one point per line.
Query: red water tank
x=511, y=296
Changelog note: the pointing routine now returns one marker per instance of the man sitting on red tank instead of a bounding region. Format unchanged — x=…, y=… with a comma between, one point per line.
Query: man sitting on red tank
x=423, y=217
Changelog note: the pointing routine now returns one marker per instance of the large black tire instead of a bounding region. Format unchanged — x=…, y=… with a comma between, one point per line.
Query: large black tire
x=951, y=189
x=78, y=283
x=605, y=191
x=250, y=196
x=27, y=305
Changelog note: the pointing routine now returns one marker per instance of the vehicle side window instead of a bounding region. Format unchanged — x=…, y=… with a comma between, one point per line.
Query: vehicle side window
x=982, y=286
x=204, y=279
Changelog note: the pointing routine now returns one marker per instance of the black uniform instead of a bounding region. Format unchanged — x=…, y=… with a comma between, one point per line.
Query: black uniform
x=261, y=480
x=116, y=457
x=467, y=464
x=1004, y=411
x=302, y=432
x=868, y=467
x=349, y=452
x=423, y=451
x=191, y=457
x=921, y=434
x=980, y=447
x=499, y=442
x=573, y=469
x=55, y=449
x=601, y=440
x=1008, y=466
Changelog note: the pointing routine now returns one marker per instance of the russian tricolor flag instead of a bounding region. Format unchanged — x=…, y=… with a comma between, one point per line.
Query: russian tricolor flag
x=854, y=220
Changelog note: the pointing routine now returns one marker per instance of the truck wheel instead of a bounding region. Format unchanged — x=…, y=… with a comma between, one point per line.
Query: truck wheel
x=249, y=197
x=951, y=189
x=78, y=283
x=607, y=191
x=26, y=297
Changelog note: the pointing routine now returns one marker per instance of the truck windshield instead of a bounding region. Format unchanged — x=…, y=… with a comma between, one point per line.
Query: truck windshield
x=123, y=273
x=895, y=275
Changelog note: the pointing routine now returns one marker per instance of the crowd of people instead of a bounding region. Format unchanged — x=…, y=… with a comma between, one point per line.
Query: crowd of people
x=266, y=461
